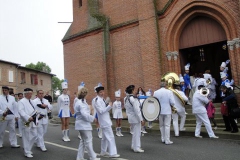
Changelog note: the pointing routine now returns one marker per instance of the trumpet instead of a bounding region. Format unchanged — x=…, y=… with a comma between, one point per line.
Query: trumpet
x=34, y=116
x=174, y=109
x=5, y=112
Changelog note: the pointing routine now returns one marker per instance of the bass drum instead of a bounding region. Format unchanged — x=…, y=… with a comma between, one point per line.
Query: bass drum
x=151, y=109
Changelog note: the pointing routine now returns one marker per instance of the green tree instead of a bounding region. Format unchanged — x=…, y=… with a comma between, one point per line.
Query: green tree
x=40, y=66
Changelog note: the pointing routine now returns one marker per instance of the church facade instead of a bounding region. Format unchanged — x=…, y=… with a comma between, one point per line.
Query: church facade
x=123, y=42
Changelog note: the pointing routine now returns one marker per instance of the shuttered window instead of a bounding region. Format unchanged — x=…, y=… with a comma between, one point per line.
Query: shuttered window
x=23, y=77
x=34, y=79
x=10, y=76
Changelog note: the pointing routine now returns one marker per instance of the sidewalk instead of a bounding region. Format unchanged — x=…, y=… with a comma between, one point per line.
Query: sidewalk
x=155, y=129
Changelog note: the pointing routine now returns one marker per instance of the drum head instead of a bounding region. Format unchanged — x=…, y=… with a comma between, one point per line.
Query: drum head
x=151, y=109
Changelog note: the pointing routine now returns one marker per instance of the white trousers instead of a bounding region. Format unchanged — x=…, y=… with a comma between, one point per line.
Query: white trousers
x=165, y=123
x=29, y=136
x=108, y=141
x=41, y=131
x=86, y=142
x=175, y=122
x=203, y=118
x=12, y=133
x=20, y=123
x=136, y=136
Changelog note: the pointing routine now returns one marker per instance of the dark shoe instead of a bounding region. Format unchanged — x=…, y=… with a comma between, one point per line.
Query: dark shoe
x=234, y=131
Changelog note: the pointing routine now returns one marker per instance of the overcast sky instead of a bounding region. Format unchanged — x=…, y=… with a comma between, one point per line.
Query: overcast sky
x=30, y=32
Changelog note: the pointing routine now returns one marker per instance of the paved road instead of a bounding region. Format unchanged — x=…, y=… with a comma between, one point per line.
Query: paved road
x=184, y=148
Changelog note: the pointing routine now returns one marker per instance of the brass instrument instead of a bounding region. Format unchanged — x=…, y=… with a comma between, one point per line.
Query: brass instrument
x=208, y=81
x=204, y=91
x=172, y=78
x=6, y=111
x=34, y=116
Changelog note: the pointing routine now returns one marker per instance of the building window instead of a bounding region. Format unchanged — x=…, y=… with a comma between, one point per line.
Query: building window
x=80, y=3
x=41, y=82
x=23, y=77
x=34, y=79
x=10, y=76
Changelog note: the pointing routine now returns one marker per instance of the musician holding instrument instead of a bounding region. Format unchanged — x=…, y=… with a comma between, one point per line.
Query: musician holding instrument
x=8, y=114
x=166, y=100
x=43, y=107
x=108, y=139
x=132, y=105
x=28, y=114
x=199, y=110
x=180, y=111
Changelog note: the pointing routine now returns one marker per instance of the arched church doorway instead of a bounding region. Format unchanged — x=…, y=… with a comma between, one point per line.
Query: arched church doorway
x=203, y=44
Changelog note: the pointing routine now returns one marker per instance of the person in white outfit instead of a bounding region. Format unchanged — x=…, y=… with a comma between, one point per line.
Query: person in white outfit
x=64, y=111
x=200, y=81
x=135, y=118
x=199, y=109
x=180, y=111
x=166, y=100
x=99, y=130
x=117, y=113
x=20, y=96
x=8, y=114
x=84, y=117
x=43, y=106
x=108, y=140
x=27, y=112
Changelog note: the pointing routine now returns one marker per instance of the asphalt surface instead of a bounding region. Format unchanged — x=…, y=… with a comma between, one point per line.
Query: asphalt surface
x=183, y=148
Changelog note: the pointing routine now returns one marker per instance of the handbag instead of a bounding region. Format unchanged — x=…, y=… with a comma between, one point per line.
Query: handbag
x=235, y=112
x=224, y=110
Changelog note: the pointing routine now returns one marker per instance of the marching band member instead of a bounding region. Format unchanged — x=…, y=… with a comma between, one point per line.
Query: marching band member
x=199, y=81
x=148, y=94
x=117, y=112
x=84, y=117
x=28, y=113
x=42, y=107
x=20, y=96
x=108, y=140
x=180, y=111
x=135, y=118
x=8, y=112
x=166, y=100
x=64, y=111
x=199, y=109
x=223, y=67
x=187, y=82
x=99, y=130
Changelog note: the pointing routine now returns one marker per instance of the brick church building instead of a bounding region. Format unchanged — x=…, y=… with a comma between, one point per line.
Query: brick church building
x=122, y=42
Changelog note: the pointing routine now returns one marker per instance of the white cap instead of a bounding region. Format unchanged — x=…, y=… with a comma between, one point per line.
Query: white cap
x=99, y=85
x=187, y=67
x=118, y=93
x=223, y=65
x=64, y=84
x=207, y=76
x=223, y=74
x=82, y=84
x=181, y=78
x=149, y=93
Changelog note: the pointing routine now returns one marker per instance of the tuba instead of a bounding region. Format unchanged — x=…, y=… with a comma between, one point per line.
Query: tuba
x=204, y=91
x=172, y=78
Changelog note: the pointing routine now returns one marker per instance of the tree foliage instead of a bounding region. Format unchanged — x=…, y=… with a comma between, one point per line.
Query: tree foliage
x=40, y=66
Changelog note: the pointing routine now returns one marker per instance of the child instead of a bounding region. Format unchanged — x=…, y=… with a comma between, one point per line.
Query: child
x=117, y=113
x=211, y=112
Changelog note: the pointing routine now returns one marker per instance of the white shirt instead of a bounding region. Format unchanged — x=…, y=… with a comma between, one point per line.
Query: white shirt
x=64, y=104
x=83, y=117
x=132, y=106
x=26, y=110
x=102, y=112
x=199, y=81
x=11, y=105
x=178, y=103
x=42, y=111
x=166, y=100
x=199, y=102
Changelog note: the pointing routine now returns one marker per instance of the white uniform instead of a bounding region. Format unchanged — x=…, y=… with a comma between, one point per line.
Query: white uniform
x=63, y=106
x=166, y=100
x=83, y=125
x=26, y=110
x=117, y=108
x=198, y=108
x=108, y=140
x=42, y=123
x=19, y=121
x=198, y=82
x=180, y=112
x=9, y=119
x=132, y=106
